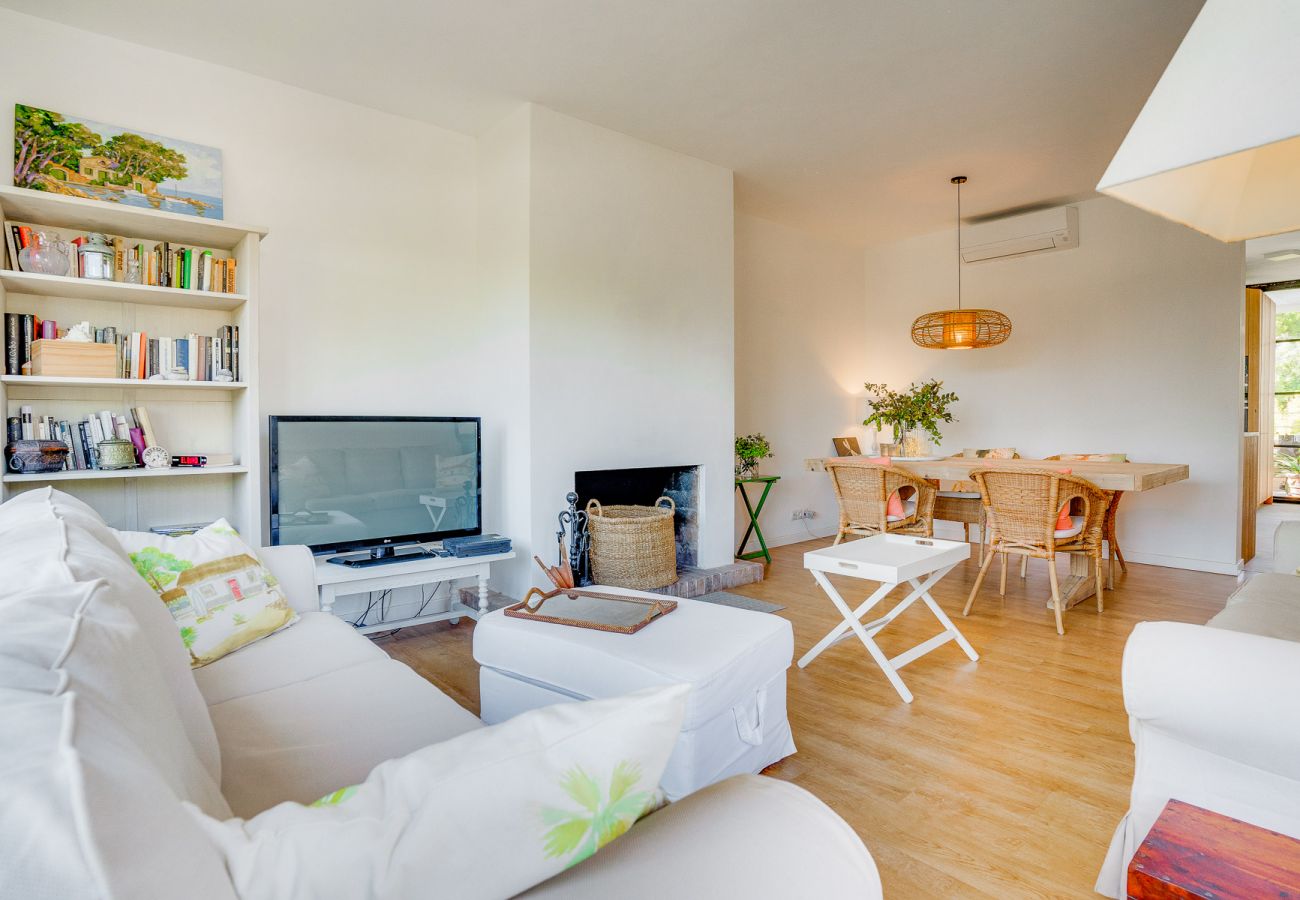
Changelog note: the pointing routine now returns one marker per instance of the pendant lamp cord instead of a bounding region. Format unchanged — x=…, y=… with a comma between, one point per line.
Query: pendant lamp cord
x=958, y=183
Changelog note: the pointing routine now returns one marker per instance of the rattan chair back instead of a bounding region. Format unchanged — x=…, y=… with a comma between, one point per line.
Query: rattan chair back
x=862, y=490
x=1024, y=505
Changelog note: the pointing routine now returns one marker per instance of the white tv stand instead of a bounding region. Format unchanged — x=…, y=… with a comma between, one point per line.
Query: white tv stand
x=336, y=581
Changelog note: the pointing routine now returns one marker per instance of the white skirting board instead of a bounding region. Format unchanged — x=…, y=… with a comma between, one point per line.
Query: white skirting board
x=953, y=531
x=1179, y=562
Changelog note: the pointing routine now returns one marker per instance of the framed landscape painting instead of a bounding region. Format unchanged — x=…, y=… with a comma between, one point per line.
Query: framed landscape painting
x=66, y=154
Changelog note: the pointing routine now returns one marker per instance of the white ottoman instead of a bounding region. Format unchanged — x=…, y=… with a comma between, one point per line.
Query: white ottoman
x=734, y=659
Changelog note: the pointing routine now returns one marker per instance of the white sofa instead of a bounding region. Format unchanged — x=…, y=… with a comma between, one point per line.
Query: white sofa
x=107, y=731
x=1214, y=711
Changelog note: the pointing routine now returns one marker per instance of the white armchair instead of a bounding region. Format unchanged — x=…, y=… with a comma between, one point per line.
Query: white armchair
x=1214, y=712
x=1286, y=548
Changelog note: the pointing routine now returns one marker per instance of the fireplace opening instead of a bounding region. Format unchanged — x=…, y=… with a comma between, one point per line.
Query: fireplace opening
x=642, y=487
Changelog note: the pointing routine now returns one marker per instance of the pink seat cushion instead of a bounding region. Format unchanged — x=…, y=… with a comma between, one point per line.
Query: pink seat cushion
x=894, y=507
x=1063, y=522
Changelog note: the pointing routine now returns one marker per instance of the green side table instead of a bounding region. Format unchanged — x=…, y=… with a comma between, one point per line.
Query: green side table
x=754, y=510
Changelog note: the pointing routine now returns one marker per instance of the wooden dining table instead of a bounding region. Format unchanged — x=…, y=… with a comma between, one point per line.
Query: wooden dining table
x=1110, y=476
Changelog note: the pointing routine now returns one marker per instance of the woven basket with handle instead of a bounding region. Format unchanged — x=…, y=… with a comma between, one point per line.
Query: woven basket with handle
x=633, y=546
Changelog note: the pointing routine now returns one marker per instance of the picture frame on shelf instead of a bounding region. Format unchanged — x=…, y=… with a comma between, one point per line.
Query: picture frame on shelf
x=847, y=446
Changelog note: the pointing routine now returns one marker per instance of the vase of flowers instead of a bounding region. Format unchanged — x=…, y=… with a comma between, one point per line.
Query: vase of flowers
x=750, y=449
x=912, y=414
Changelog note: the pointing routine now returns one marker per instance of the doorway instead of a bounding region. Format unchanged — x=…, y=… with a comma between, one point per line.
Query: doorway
x=1284, y=436
x=1271, y=442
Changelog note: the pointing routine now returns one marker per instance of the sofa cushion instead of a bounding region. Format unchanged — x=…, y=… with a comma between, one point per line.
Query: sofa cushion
x=320, y=643
x=80, y=631
x=93, y=761
x=301, y=741
x=1267, y=604
x=217, y=590
x=56, y=540
x=487, y=814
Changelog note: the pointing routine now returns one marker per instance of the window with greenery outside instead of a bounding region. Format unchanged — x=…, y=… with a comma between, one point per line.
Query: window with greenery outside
x=1286, y=400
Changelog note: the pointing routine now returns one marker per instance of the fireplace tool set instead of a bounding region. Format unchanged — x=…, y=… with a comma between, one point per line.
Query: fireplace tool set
x=573, y=546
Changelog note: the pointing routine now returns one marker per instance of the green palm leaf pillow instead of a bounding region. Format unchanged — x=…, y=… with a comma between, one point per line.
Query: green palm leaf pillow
x=535, y=795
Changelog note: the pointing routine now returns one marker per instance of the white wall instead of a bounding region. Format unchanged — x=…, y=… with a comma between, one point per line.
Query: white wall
x=631, y=317
x=1131, y=343
x=800, y=365
x=504, y=233
x=606, y=268
x=368, y=274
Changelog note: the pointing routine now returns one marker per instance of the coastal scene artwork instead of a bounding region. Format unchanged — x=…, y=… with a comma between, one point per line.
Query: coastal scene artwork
x=66, y=154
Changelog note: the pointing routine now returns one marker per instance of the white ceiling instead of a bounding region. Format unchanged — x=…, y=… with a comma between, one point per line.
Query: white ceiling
x=845, y=117
x=1261, y=270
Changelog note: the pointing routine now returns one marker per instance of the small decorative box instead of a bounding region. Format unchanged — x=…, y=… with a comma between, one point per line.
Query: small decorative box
x=30, y=457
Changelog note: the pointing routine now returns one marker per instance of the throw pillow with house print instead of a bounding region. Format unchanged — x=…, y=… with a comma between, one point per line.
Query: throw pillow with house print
x=220, y=595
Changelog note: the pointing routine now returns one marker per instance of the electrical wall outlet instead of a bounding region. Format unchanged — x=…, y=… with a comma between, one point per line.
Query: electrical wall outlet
x=803, y=514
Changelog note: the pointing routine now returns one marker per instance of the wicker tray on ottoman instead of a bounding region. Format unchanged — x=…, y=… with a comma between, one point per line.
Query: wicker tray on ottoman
x=633, y=546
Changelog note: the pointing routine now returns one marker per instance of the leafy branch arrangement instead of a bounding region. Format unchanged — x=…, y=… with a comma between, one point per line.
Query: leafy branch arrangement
x=922, y=406
x=750, y=448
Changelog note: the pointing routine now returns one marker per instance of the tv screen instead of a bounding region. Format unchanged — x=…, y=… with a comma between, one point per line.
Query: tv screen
x=351, y=482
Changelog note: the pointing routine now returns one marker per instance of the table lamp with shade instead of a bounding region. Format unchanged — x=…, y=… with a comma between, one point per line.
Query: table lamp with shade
x=1217, y=146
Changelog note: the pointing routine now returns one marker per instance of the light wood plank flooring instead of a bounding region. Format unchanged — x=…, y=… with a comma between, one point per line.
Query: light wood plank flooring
x=1005, y=778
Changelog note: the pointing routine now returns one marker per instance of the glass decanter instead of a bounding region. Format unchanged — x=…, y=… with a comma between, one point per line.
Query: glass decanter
x=45, y=255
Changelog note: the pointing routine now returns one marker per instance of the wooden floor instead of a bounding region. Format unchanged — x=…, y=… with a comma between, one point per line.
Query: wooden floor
x=1005, y=777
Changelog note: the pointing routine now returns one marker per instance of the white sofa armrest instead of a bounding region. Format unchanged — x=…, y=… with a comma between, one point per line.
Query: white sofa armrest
x=749, y=836
x=294, y=565
x=1224, y=692
x=1286, y=548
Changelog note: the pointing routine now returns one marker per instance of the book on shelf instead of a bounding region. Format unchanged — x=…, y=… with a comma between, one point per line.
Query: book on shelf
x=160, y=263
x=83, y=436
x=139, y=355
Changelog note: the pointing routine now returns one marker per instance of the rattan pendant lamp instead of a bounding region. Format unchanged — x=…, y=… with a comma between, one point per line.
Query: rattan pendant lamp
x=960, y=329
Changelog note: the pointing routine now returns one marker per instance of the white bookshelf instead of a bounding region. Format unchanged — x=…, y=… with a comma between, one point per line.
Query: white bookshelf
x=189, y=417
x=116, y=291
x=133, y=383
x=89, y=474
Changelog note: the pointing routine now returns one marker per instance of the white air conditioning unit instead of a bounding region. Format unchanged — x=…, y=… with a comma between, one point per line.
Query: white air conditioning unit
x=1036, y=232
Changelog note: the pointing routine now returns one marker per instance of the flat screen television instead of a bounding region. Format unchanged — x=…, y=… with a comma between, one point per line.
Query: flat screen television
x=367, y=482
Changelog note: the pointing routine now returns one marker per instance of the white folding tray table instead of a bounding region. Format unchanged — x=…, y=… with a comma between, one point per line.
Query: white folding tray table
x=891, y=559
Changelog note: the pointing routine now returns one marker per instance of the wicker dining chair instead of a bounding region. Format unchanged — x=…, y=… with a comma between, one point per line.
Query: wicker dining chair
x=1108, y=531
x=1023, y=506
x=862, y=490
x=961, y=503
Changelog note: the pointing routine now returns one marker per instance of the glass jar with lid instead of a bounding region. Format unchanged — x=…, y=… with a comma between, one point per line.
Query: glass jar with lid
x=95, y=258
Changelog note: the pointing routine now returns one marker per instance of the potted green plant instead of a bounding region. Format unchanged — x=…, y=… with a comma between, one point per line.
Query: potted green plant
x=1287, y=465
x=911, y=414
x=750, y=448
